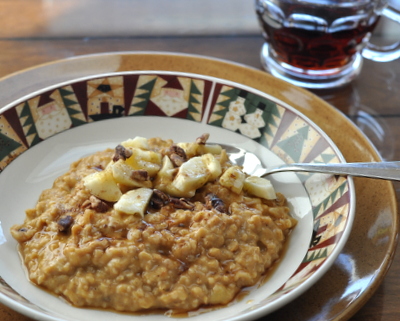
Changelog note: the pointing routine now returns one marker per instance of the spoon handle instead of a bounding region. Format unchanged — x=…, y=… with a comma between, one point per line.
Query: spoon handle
x=381, y=170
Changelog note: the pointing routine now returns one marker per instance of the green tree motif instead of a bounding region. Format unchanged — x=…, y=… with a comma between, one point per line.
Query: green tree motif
x=148, y=88
x=7, y=145
x=68, y=103
x=337, y=193
x=326, y=158
x=231, y=95
x=293, y=146
x=316, y=255
x=193, y=100
x=30, y=124
x=271, y=113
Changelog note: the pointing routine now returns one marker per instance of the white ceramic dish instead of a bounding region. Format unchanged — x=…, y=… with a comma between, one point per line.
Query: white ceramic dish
x=324, y=205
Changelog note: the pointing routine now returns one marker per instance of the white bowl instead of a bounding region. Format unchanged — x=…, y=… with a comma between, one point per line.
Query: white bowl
x=43, y=133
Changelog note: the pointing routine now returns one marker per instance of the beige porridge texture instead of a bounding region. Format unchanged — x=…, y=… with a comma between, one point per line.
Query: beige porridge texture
x=171, y=258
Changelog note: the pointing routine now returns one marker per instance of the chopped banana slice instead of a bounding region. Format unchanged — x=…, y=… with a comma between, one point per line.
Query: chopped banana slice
x=209, y=149
x=213, y=165
x=102, y=185
x=137, y=142
x=125, y=175
x=134, y=201
x=166, y=175
x=192, y=175
x=147, y=160
x=233, y=178
x=259, y=187
x=191, y=149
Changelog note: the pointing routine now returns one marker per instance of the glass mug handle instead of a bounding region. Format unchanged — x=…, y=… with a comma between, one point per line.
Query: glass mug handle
x=384, y=53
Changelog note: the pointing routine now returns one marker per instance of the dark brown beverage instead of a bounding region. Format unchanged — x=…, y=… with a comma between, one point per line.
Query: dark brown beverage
x=317, y=35
x=313, y=49
x=321, y=44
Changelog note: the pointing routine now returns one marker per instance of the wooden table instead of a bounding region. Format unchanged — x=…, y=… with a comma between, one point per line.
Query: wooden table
x=372, y=100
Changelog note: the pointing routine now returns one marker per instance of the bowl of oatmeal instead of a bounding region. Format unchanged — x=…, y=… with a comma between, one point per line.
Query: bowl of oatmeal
x=125, y=207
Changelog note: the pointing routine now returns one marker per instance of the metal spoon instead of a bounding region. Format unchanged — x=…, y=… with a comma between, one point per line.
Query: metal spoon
x=253, y=166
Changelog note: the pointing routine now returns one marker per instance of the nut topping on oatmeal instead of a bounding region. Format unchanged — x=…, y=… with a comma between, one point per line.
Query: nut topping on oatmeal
x=121, y=153
x=65, y=223
x=140, y=175
x=151, y=225
x=202, y=140
x=96, y=204
x=158, y=199
x=177, y=155
x=181, y=203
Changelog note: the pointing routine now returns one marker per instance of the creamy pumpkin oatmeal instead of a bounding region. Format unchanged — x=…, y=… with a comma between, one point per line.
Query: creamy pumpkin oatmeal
x=153, y=225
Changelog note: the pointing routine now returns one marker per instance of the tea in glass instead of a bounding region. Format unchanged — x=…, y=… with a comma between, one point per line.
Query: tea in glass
x=316, y=44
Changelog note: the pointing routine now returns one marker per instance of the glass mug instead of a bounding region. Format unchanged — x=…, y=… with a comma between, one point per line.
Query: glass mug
x=321, y=43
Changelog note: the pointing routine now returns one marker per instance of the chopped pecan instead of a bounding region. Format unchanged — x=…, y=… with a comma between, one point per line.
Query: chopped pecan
x=95, y=204
x=121, y=153
x=140, y=175
x=181, y=203
x=202, y=140
x=158, y=199
x=177, y=155
x=65, y=223
x=176, y=160
x=212, y=201
x=175, y=149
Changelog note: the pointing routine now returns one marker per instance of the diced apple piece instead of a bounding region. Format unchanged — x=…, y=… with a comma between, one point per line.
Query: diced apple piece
x=192, y=175
x=125, y=175
x=259, y=187
x=137, y=142
x=233, y=178
x=134, y=201
x=213, y=166
x=103, y=186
